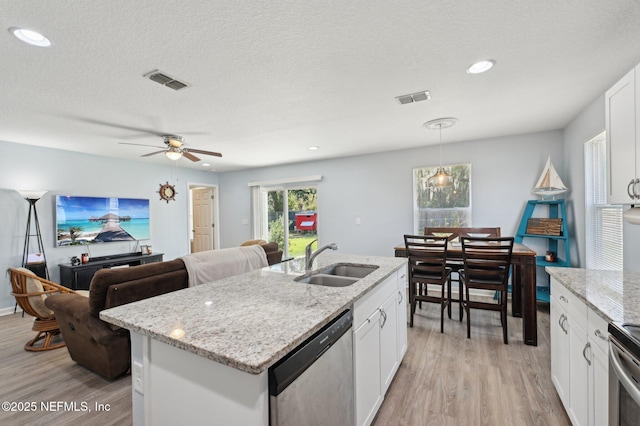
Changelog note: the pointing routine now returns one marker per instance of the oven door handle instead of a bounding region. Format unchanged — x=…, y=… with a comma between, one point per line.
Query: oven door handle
x=623, y=376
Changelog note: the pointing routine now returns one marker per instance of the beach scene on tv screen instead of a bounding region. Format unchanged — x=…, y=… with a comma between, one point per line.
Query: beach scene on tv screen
x=91, y=220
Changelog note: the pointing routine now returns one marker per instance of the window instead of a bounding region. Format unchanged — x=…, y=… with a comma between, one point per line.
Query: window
x=603, y=222
x=442, y=207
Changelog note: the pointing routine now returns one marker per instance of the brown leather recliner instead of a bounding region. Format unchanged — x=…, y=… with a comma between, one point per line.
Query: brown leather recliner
x=95, y=344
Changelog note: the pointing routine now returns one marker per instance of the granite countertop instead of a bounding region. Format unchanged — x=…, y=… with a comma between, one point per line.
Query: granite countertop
x=250, y=321
x=614, y=295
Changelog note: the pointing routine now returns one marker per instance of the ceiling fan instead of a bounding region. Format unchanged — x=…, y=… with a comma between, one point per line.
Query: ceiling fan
x=174, y=149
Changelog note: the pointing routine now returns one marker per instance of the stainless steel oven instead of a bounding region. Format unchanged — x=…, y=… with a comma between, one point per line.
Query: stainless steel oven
x=624, y=374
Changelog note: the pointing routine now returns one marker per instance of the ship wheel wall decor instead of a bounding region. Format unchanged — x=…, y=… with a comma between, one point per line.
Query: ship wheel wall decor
x=167, y=192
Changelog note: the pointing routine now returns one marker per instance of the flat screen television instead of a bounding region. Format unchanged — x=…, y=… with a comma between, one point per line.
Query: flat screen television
x=93, y=220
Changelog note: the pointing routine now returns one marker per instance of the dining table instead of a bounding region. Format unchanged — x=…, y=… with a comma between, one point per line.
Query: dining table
x=523, y=285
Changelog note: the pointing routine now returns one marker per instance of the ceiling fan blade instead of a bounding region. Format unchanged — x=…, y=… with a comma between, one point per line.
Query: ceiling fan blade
x=190, y=156
x=140, y=144
x=152, y=153
x=120, y=126
x=199, y=151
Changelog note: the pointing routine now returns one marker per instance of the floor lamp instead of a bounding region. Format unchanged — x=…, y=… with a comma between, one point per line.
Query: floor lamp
x=32, y=197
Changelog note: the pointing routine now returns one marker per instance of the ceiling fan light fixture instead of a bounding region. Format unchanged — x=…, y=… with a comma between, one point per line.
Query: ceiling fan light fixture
x=173, y=154
x=31, y=37
x=481, y=66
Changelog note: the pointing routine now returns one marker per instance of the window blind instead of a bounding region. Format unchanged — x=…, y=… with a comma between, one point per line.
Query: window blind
x=603, y=222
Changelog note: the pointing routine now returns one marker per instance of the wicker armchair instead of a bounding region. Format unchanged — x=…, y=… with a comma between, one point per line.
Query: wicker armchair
x=30, y=292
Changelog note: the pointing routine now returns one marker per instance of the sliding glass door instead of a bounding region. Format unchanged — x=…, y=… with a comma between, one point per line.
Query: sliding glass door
x=290, y=218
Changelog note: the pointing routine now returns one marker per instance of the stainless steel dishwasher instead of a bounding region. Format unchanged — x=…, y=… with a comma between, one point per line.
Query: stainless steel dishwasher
x=313, y=384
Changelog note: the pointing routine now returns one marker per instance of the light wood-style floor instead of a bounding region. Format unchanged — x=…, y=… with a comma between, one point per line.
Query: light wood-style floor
x=52, y=378
x=445, y=379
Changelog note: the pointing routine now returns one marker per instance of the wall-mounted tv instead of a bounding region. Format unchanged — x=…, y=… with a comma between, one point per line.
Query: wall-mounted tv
x=91, y=220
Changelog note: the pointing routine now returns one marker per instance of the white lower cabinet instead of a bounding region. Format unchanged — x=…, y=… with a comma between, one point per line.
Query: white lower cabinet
x=367, y=369
x=560, y=363
x=380, y=340
x=579, y=360
x=401, y=322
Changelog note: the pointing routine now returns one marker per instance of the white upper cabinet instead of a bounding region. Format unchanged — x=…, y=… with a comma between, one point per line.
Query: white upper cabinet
x=623, y=140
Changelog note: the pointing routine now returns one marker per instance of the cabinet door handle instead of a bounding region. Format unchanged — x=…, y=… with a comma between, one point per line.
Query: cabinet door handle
x=564, y=299
x=400, y=298
x=629, y=188
x=584, y=350
x=599, y=334
x=384, y=317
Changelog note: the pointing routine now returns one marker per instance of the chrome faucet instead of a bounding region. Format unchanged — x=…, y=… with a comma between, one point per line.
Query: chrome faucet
x=308, y=256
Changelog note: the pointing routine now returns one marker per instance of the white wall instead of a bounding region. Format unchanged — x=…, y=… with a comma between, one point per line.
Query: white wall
x=69, y=173
x=589, y=123
x=378, y=189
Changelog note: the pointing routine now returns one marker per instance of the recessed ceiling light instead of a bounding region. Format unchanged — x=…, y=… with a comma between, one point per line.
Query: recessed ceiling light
x=31, y=37
x=314, y=148
x=481, y=66
x=205, y=164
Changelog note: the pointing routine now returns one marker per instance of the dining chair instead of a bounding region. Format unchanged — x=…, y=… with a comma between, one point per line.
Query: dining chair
x=454, y=234
x=427, y=264
x=487, y=262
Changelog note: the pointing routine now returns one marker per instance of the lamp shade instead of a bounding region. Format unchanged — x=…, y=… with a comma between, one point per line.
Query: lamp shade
x=31, y=194
x=441, y=179
x=173, y=154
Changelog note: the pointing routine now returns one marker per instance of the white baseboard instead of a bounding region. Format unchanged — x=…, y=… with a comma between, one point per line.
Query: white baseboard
x=9, y=311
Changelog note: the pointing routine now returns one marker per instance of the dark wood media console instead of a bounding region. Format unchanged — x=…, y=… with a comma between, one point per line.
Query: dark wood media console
x=79, y=277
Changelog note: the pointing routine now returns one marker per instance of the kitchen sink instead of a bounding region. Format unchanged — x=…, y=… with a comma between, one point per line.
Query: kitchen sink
x=328, y=280
x=349, y=270
x=338, y=275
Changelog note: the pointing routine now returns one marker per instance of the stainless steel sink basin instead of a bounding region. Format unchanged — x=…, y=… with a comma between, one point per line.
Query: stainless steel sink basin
x=338, y=275
x=349, y=270
x=328, y=280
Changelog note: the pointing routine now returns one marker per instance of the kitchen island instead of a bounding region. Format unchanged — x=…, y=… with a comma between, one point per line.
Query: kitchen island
x=202, y=353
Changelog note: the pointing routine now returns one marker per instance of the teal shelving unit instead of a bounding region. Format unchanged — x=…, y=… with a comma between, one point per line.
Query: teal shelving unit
x=556, y=210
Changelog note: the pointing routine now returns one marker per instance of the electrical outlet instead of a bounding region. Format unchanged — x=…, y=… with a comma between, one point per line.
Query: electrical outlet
x=357, y=221
x=138, y=383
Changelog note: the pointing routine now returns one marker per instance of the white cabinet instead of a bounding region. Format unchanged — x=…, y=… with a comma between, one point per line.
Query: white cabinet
x=579, y=361
x=578, y=408
x=401, y=323
x=559, y=324
x=623, y=139
x=367, y=369
x=380, y=336
x=388, y=342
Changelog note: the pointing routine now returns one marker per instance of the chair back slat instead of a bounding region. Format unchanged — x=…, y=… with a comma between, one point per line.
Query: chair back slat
x=487, y=261
x=427, y=256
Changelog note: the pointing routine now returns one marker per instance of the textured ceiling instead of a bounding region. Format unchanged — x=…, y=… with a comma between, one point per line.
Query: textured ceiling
x=269, y=79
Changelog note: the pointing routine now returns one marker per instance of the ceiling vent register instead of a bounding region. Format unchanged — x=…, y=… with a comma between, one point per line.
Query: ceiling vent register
x=414, y=97
x=166, y=80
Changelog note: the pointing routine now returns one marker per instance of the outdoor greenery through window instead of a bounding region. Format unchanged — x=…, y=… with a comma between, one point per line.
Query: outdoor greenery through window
x=442, y=207
x=603, y=222
x=293, y=224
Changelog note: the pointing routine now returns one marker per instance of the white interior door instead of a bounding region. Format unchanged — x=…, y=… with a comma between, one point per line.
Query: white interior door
x=202, y=219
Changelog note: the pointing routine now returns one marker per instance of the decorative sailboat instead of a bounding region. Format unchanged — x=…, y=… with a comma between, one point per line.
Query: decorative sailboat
x=549, y=185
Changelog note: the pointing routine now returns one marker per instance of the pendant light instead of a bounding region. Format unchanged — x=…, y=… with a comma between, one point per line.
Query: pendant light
x=441, y=179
